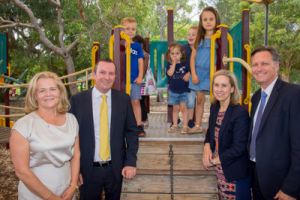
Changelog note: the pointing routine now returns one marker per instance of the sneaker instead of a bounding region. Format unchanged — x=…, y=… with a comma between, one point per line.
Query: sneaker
x=145, y=124
x=184, y=130
x=178, y=122
x=191, y=123
x=141, y=132
x=173, y=129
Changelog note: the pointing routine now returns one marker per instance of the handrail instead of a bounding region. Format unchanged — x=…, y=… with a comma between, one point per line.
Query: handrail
x=111, y=47
x=13, y=115
x=230, y=43
x=226, y=60
x=10, y=107
x=94, y=49
x=212, y=57
x=247, y=99
x=128, y=61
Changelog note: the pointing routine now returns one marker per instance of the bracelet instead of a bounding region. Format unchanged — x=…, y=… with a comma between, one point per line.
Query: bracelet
x=76, y=186
x=48, y=195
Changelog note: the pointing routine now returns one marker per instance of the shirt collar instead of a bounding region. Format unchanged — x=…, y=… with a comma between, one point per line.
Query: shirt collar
x=96, y=93
x=269, y=89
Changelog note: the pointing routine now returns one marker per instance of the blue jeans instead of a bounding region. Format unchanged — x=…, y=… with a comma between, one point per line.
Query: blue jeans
x=177, y=98
x=191, y=97
x=135, y=92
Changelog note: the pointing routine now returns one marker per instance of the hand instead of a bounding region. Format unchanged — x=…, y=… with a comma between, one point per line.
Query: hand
x=173, y=59
x=217, y=161
x=282, y=196
x=128, y=172
x=207, y=156
x=186, y=77
x=138, y=81
x=69, y=193
x=80, y=180
x=195, y=79
x=54, y=197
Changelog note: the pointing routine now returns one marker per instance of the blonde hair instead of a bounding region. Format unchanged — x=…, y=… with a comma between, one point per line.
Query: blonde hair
x=235, y=96
x=31, y=103
x=172, y=46
x=127, y=20
x=194, y=28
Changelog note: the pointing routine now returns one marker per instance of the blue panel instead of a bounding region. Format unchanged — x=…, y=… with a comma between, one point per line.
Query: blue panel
x=3, y=61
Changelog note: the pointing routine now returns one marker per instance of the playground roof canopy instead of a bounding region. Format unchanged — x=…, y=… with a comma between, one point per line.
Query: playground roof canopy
x=260, y=1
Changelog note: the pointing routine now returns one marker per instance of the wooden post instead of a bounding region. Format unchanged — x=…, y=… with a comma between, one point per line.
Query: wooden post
x=6, y=94
x=119, y=58
x=170, y=40
x=112, y=31
x=222, y=47
x=147, y=99
x=245, y=40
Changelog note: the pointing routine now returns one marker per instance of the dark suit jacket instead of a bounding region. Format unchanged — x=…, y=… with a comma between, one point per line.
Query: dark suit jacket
x=123, y=125
x=278, y=141
x=233, y=137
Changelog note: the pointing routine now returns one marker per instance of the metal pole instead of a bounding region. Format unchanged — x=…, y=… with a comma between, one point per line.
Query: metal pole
x=266, y=22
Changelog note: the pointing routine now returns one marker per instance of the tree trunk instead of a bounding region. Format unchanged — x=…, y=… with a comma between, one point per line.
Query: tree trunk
x=71, y=69
x=285, y=77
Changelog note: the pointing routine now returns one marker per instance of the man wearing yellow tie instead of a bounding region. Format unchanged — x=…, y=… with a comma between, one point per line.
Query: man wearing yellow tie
x=106, y=120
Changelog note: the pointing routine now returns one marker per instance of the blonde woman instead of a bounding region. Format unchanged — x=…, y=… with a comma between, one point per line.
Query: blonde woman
x=225, y=145
x=45, y=144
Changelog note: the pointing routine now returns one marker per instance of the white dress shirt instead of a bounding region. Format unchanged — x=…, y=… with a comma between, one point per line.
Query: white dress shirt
x=97, y=100
x=268, y=91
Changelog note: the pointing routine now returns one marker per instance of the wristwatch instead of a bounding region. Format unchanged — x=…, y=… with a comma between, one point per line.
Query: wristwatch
x=212, y=161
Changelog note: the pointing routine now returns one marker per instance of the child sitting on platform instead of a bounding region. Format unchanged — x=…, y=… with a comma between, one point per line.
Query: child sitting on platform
x=178, y=87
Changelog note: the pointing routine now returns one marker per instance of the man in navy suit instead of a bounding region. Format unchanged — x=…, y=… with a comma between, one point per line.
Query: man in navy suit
x=96, y=173
x=274, y=139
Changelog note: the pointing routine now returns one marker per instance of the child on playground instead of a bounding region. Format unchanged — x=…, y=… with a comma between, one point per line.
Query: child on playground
x=187, y=48
x=178, y=87
x=137, y=65
x=149, y=84
x=200, y=61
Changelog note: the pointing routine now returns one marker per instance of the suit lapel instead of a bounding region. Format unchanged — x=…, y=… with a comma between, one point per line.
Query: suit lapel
x=225, y=121
x=114, y=107
x=270, y=103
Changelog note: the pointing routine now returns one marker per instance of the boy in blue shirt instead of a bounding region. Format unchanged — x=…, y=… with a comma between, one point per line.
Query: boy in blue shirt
x=137, y=65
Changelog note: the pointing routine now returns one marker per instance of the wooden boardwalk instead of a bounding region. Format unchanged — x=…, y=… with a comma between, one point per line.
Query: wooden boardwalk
x=4, y=134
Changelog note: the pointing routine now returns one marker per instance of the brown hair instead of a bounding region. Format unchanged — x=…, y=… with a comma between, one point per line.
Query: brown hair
x=31, y=103
x=172, y=46
x=235, y=96
x=127, y=20
x=201, y=31
x=275, y=55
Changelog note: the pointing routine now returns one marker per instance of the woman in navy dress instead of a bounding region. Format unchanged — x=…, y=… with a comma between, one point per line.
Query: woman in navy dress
x=225, y=146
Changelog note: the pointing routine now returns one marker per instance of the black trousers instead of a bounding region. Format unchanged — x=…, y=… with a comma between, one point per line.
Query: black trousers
x=102, y=177
x=256, y=192
x=144, y=108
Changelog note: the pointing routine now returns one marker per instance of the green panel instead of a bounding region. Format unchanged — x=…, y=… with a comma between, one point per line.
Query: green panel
x=3, y=61
x=236, y=34
x=157, y=63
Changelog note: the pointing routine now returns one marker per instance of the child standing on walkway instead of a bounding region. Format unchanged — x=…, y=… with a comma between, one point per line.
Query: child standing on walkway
x=200, y=61
x=149, y=84
x=178, y=88
x=137, y=65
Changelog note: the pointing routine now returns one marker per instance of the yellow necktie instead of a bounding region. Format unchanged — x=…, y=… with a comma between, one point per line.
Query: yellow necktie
x=104, y=152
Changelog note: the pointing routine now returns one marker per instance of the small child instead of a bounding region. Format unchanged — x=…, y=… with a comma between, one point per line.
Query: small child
x=200, y=61
x=178, y=87
x=149, y=84
x=187, y=48
x=137, y=65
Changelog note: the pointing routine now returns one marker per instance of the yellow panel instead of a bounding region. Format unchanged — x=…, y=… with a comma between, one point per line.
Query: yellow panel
x=1, y=80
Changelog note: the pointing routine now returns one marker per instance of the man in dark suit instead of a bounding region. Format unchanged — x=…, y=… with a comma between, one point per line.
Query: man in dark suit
x=274, y=139
x=98, y=171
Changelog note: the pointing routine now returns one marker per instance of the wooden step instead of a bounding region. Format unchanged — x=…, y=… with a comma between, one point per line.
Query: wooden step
x=147, y=196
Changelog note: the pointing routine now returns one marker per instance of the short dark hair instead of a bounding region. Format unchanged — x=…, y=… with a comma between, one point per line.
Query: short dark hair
x=140, y=39
x=275, y=55
x=108, y=60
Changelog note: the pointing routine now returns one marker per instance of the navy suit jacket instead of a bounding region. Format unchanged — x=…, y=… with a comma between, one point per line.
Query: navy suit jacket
x=123, y=125
x=233, y=137
x=278, y=141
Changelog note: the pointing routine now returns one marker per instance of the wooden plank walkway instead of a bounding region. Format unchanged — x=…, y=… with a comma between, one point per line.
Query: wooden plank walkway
x=4, y=134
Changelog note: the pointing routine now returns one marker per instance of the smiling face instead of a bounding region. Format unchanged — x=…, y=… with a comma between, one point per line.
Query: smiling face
x=175, y=54
x=47, y=93
x=130, y=29
x=208, y=20
x=222, y=89
x=192, y=36
x=264, y=69
x=105, y=76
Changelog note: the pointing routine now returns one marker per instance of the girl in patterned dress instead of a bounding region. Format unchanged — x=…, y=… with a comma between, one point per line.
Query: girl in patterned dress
x=225, y=146
x=200, y=61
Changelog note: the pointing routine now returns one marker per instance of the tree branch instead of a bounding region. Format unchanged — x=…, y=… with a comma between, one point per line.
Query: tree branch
x=80, y=10
x=11, y=24
x=295, y=36
x=72, y=46
x=100, y=15
x=185, y=23
x=57, y=4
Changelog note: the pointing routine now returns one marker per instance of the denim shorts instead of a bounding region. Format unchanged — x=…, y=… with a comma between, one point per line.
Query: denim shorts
x=135, y=92
x=191, y=98
x=177, y=98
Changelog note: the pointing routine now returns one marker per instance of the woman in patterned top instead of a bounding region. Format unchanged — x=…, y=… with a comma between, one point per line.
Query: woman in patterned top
x=225, y=146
